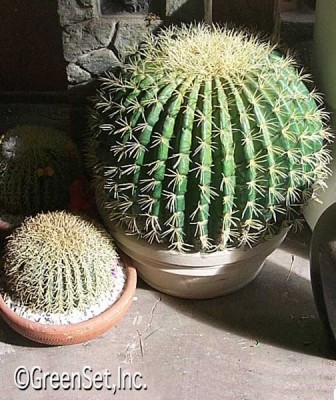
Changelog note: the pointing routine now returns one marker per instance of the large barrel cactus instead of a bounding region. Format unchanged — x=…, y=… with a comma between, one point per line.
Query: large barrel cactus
x=38, y=164
x=58, y=262
x=208, y=138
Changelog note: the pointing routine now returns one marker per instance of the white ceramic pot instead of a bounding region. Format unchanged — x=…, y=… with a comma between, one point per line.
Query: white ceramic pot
x=192, y=275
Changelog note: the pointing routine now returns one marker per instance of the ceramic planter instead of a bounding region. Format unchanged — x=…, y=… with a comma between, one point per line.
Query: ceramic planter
x=323, y=268
x=192, y=275
x=325, y=75
x=59, y=335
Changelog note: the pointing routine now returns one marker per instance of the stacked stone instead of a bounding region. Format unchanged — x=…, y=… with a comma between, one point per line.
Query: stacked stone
x=93, y=43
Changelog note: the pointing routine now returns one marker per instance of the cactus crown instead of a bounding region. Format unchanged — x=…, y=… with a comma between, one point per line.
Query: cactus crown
x=58, y=262
x=203, y=51
x=37, y=166
x=208, y=138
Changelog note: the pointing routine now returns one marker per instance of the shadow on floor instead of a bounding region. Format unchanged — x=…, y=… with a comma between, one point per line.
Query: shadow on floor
x=9, y=336
x=298, y=243
x=272, y=309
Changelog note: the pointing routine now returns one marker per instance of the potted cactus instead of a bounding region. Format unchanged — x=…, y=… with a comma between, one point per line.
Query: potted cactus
x=207, y=143
x=38, y=166
x=62, y=280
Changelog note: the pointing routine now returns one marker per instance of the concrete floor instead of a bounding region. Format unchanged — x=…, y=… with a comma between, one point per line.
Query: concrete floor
x=264, y=342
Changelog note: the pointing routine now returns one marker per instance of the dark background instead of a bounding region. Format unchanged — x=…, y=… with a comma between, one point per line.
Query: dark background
x=31, y=55
x=257, y=14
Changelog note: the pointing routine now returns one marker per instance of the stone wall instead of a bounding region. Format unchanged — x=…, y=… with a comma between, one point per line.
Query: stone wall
x=94, y=42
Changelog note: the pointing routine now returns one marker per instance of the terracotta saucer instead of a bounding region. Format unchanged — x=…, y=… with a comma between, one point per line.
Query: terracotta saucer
x=60, y=335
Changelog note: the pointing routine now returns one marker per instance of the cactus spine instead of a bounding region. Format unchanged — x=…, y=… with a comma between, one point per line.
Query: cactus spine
x=57, y=262
x=208, y=138
x=37, y=166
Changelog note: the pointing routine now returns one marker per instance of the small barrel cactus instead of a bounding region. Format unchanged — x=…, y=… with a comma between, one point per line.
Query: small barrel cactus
x=208, y=138
x=38, y=164
x=58, y=262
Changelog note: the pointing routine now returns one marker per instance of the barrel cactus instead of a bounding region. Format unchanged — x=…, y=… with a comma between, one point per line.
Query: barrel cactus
x=38, y=164
x=208, y=138
x=58, y=262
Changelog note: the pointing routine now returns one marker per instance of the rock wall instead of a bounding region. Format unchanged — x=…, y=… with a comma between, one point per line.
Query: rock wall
x=94, y=42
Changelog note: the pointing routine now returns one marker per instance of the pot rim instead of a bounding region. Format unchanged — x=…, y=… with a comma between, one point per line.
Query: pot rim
x=91, y=324
x=132, y=244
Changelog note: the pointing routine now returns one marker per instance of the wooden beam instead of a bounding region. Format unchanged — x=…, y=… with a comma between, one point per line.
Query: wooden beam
x=208, y=6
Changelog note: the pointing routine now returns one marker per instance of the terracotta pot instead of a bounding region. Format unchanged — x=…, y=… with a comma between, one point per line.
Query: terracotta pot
x=323, y=268
x=192, y=275
x=59, y=335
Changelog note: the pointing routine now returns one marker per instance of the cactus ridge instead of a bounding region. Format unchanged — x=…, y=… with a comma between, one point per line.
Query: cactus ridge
x=211, y=140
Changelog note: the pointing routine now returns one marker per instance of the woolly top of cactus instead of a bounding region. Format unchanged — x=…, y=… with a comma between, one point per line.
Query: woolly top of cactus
x=24, y=139
x=56, y=262
x=203, y=50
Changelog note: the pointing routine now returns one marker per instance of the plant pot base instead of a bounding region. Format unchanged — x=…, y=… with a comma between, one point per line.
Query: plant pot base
x=192, y=275
x=208, y=288
x=60, y=335
x=203, y=277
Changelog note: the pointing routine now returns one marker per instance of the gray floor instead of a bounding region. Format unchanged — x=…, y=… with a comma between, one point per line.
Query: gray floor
x=263, y=342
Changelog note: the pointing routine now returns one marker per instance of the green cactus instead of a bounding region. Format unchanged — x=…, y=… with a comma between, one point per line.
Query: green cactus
x=37, y=166
x=208, y=138
x=58, y=262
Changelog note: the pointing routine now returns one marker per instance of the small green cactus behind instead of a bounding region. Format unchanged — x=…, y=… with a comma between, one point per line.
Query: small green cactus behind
x=58, y=262
x=208, y=138
x=37, y=166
